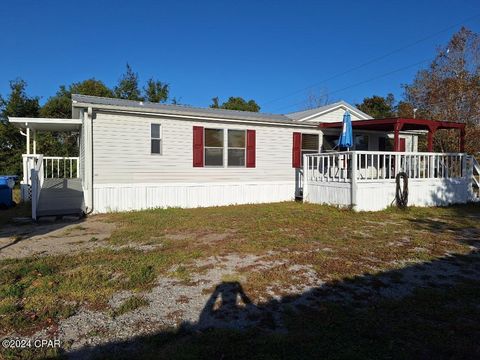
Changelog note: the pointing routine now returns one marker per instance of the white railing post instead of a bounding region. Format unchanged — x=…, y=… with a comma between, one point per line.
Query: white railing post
x=37, y=182
x=25, y=169
x=306, y=177
x=397, y=165
x=353, y=181
x=33, y=177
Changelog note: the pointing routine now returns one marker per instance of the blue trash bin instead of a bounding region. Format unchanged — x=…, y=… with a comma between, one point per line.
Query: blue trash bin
x=6, y=186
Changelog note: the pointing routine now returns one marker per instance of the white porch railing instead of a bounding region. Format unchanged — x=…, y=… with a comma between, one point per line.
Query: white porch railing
x=328, y=167
x=376, y=165
x=53, y=167
x=61, y=167
x=366, y=180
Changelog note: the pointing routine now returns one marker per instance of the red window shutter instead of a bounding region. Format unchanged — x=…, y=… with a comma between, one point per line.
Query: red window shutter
x=296, y=150
x=251, y=148
x=198, y=146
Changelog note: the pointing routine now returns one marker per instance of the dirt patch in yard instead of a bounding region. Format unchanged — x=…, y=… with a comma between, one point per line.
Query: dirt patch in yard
x=53, y=238
x=214, y=299
x=254, y=267
x=199, y=237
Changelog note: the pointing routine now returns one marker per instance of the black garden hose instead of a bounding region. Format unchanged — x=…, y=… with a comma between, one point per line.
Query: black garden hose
x=401, y=193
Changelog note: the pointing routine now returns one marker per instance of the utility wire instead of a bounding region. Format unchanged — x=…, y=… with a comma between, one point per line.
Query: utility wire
x=373, y=60
x=362, y=82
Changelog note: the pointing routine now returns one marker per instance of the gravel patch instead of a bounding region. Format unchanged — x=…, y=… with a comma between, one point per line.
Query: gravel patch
x=60, y=237
x=207, y=301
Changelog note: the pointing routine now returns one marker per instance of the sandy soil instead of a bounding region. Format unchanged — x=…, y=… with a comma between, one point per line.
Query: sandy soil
x=59, y=237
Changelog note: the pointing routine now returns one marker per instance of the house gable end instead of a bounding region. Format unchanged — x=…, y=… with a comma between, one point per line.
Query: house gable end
x=329, y=113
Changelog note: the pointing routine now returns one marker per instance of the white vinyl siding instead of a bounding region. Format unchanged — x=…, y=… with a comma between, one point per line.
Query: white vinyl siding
x=122, y=152
x=333, y=116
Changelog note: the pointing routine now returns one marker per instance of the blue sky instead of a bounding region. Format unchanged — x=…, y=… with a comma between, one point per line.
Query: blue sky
x=265, y=50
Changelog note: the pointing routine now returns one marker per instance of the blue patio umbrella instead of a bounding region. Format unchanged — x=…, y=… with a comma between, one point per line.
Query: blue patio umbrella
x=346, y=137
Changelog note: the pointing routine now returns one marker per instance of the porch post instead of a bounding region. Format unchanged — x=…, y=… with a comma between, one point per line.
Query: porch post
x=34, y=141
x=353, y=181
x=431, y=135
x=396, y=138
x=28, y=140
x=462, y=139
x=87, y=170
x=305, y=178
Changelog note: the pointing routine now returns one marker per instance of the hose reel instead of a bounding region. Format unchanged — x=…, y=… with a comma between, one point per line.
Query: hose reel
x=401, y=192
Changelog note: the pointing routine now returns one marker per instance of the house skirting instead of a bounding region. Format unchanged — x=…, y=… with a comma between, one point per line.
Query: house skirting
x=127, y=197
x=378, y=195
x=373, y=196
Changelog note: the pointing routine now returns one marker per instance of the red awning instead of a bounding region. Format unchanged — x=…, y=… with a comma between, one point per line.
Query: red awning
x=406, y=124
x=400, y=124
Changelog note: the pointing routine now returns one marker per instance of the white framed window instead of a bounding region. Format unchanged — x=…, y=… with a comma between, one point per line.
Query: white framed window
x=214, y=144
x=237, y=145
x=156, y=139
x=310, y=144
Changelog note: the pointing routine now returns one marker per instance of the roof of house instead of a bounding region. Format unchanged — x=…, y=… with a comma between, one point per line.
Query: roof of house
x=79, y=100
x=182, y=110
x=301, y=115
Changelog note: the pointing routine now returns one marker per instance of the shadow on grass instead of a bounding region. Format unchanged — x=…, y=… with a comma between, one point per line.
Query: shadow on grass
x=422, y=311
x=13, y=231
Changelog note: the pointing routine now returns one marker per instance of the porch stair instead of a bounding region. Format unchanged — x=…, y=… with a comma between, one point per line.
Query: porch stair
x=61, y=196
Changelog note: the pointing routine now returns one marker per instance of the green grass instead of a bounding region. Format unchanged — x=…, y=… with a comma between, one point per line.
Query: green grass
x=38, y=291
x=130, y=304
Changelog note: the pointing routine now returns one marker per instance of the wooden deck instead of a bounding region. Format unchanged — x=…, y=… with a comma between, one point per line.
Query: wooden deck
x=61, y=197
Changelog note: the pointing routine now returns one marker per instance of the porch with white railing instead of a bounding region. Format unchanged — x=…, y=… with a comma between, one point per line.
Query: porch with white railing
x=53, y=185
x=366, y=180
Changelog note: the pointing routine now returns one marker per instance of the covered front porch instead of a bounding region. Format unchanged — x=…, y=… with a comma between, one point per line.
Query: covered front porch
x=374, y=180
x=53, y=184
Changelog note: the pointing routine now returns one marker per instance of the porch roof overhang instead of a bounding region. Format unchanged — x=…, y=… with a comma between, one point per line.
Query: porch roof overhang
x=390, y=124
x=396, y=125
x=46, y=124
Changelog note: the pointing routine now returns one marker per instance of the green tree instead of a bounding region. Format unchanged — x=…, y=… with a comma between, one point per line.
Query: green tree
x=60, y=105
x=12, y=143
x=156, y=91
x=449, y=89
x=236, y=103
x=378, y=107
x=127, y=87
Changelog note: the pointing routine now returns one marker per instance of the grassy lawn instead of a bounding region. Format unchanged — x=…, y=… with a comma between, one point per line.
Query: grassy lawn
x=340, y=246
